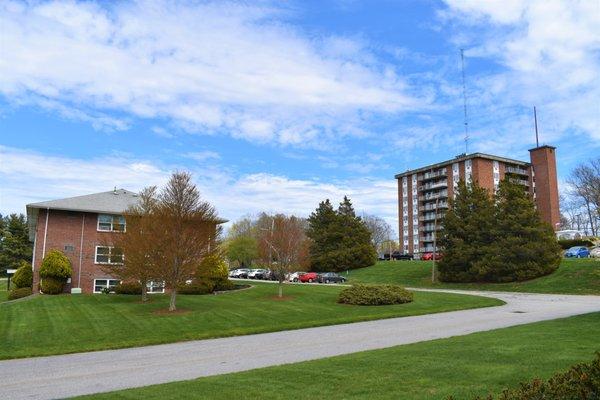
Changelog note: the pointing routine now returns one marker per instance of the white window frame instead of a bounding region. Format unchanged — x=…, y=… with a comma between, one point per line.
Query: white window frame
x=112, y=223
x=151, y=286
x=108, y=285
x=110, y=248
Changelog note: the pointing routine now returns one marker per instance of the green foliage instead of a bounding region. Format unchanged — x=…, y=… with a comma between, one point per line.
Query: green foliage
x=205, y=287
x=56, y=265
x=15, y=246
x=17, y=293
x=339, y=239
x=375, y=295
x=242, y=250
x=213, y=272
x=128, y=288
x=580, y=382
x=23, y=278
x=50, y=285
x=499, y=239
x=566, y=244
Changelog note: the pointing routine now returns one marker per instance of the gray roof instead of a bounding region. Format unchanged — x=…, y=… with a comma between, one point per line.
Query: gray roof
x=111, y=202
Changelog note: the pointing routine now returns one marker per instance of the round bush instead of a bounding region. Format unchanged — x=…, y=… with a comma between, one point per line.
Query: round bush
x=375, y=295
x=56, y=265
x=19, y=292
x=213, y=271
x=23, y=278
x=128, y=288
x=51, y=285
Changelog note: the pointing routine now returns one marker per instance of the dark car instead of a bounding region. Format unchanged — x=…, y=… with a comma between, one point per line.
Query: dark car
x=330, y=277
x=402, y=256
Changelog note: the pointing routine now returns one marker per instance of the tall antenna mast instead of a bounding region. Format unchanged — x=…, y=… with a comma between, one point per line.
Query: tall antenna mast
x=537, y=141
x=462, y=60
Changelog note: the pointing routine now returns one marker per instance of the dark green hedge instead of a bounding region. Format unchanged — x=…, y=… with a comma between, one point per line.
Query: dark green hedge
x=374, y=295
x=18, y=293
x=52, y=285
x=580, y=382
x=196, y=288
x=568, y=243
x=128, y=288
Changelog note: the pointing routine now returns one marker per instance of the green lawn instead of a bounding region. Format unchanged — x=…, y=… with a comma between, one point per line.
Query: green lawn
x=574, y=276
x=464, y=366
x=3, y=292
x=46, y=325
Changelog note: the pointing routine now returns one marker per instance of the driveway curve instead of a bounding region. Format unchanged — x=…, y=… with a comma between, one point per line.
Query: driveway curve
x=103, y=371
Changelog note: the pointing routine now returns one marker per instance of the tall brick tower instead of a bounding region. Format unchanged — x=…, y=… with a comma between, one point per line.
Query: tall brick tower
x=543, y=161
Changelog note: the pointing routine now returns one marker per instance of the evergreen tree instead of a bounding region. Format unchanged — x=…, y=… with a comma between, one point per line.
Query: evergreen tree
x=525, y=247
x=339, y=239
x=15, y=246
x=467, y=233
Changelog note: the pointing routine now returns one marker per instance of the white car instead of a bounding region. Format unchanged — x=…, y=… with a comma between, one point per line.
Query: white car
x=595, y=252
x=293, y=276
x=239, y=273
x=257, y=274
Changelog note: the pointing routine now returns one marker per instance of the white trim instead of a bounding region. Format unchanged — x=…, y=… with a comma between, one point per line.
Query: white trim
x=45, y=233
x=107, y=283
x=81, y=250
x=109, y=256
x=112, y=228
x=34, y=250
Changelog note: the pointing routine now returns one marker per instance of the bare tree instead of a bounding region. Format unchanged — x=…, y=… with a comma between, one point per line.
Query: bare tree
x=286, y=242
x=380, y=230
x=187, y=229
x=135, y=243
x=585, y=180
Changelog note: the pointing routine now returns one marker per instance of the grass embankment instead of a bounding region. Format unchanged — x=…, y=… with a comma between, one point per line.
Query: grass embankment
x=464, y=366
x=46, y=325
x=574, y=276
x=3, y=291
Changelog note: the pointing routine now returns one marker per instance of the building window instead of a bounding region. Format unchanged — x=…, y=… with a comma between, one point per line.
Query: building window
x=111, y=223
x=108, y=255
x=155, y=287
x=101, y=284
x=69, y=248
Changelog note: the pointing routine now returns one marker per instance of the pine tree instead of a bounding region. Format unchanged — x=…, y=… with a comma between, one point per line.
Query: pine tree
x=15, y=246
x=467, y=233
x=525, y=247
x=339, y=239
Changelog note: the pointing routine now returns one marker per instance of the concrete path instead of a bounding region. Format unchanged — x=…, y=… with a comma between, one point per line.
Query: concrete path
x=84, y=373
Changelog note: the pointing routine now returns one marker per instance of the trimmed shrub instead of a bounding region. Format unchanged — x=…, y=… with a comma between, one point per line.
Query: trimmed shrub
x=196, y=288
x=213, y=272
x=375, y=295
x=56, y=265
x=568, y=243
x=52, y=285
x=23, y=278
x=580, y=382
x=19, y=292
x=128, y=288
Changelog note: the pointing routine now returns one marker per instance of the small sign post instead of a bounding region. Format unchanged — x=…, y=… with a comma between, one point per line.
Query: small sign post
x=9, y=274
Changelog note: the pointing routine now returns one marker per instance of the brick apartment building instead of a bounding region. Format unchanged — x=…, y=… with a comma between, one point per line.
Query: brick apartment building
x=81, y=227
x=424, y=192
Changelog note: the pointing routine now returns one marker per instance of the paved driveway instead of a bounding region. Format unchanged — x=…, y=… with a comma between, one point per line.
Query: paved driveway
x=102, y=371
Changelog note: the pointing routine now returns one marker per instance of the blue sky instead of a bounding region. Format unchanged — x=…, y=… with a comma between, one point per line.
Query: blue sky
x=276, y=105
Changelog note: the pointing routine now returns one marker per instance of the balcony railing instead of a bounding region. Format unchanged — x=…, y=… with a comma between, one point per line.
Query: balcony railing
x=519, y=181
x=434, y=185
x=429, y=228
x=433, y=175
x=432, y=206
x=516, y=170
x=431, y=217
x=433, y=196
x=426, y=238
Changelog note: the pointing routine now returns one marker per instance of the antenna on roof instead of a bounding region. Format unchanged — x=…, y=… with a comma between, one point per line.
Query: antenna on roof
x=462, y=60
x=537, y=141
x=115, y=190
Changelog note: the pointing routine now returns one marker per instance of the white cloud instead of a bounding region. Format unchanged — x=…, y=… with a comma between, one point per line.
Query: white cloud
x=203, y=155
x=27, y=176
x=222, y=66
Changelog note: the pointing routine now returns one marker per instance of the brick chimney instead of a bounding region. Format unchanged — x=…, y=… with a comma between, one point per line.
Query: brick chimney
x=543, y=161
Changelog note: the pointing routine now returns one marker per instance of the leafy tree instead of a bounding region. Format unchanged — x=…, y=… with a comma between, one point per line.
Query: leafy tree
x=15, y=246
x=467, y=232
x=524, y=246
x=242, y=250
x=339, y=239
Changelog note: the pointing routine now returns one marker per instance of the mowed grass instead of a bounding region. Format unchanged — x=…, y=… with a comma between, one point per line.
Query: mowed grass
x=45, y=325
x=464, y=366
x=574, y=276
x=3, y=292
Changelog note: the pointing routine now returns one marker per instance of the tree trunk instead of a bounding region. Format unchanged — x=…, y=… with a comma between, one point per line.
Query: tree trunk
x=172, y=305
x=280, y=289
x=589, y=210
x=144, y=292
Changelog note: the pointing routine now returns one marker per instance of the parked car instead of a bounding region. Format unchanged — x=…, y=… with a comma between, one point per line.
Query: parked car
x=241, y=273
x=330, y=277
x=429, y=256
x=293, y=276
x=308, y=277
x=577, y=252
x=595, y=252
x=396, y=255
x=257, y=273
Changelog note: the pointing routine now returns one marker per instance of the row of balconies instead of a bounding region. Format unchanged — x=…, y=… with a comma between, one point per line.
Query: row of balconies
x=431, y=217
x=433, y=196
x=432, y=206
x=430, y=228
x=433, y=175
x=516, y=170
x=434, y=185
x=519, y=181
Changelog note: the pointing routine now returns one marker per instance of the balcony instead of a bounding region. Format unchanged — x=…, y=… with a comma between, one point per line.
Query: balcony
x=434, y=185
x=431, y=217
x=433, y=175
x=516, y=170
x=433, y=196
x=428, y=249
x=432, y=206
x=429, y=228
x=426, y=238
x=519, y=181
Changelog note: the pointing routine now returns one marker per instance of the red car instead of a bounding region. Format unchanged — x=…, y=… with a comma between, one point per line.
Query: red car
x=308, y=277
x=429, y=256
